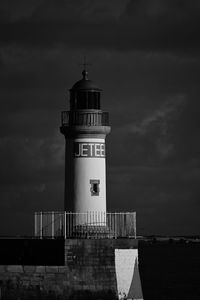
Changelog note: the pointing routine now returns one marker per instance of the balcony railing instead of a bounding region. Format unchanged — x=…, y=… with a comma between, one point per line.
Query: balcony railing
x=87, y=118
x=85, y=225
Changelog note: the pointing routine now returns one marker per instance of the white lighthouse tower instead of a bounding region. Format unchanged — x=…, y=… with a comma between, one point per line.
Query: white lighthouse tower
x=103, y=242
x=85, y=127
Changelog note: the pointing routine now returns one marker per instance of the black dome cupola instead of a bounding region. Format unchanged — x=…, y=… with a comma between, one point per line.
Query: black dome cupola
x=85, y=94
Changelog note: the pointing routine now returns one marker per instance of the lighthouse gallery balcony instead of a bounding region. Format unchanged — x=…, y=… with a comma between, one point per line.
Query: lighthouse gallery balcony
x=84, y=118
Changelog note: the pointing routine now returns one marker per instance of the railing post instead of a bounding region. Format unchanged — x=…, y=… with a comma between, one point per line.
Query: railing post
x=41, y=229
x=52, y=224
x=60, y=225
x=70, y=223
x=65, y=225
x=135, y=225
x=116, y=227
x=35, y=227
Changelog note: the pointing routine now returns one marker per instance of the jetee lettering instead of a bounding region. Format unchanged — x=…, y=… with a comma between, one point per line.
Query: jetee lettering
x=89, y=149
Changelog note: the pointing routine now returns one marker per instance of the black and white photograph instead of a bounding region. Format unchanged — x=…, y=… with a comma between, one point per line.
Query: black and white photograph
x=99, y=149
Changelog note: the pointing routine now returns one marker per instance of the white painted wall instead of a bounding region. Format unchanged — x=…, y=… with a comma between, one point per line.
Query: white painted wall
x=127, y=274
x=86, y=169
x=82, y=170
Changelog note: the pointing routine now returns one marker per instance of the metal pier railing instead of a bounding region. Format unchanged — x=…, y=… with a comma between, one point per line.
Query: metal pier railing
x=85, y=225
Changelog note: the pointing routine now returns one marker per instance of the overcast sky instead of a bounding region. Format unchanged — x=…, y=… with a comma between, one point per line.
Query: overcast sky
x=145, y=55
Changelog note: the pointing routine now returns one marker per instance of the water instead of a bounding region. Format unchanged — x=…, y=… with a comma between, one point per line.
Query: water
x=170, y=271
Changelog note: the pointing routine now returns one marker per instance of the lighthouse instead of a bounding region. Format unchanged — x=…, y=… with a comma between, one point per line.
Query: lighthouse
x=85, y=127
x=100, y=248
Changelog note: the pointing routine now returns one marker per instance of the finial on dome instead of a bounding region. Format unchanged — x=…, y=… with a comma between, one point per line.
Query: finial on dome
x=85, y=64
x=85, y=74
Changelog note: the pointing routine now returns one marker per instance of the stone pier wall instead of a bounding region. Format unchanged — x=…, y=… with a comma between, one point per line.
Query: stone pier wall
x=89, y=272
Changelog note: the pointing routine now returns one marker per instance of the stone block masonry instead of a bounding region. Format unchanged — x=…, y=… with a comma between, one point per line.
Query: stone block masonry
x=89, y=272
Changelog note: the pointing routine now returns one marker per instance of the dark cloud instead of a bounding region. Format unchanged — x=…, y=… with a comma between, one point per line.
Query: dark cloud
x=19, y=202
x=171, y=26
x=145, y=57
x=26, y=160
x=154, y=166
x=162, y=25
x=32, y=178
x=161, y=196
x=167, y=136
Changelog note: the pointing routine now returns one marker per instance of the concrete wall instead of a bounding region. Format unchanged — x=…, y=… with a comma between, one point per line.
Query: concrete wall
x=89, y=272
x=27, y=251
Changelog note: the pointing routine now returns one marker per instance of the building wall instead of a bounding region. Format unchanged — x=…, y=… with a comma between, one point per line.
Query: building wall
x=89, y=271
x=84, y=163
